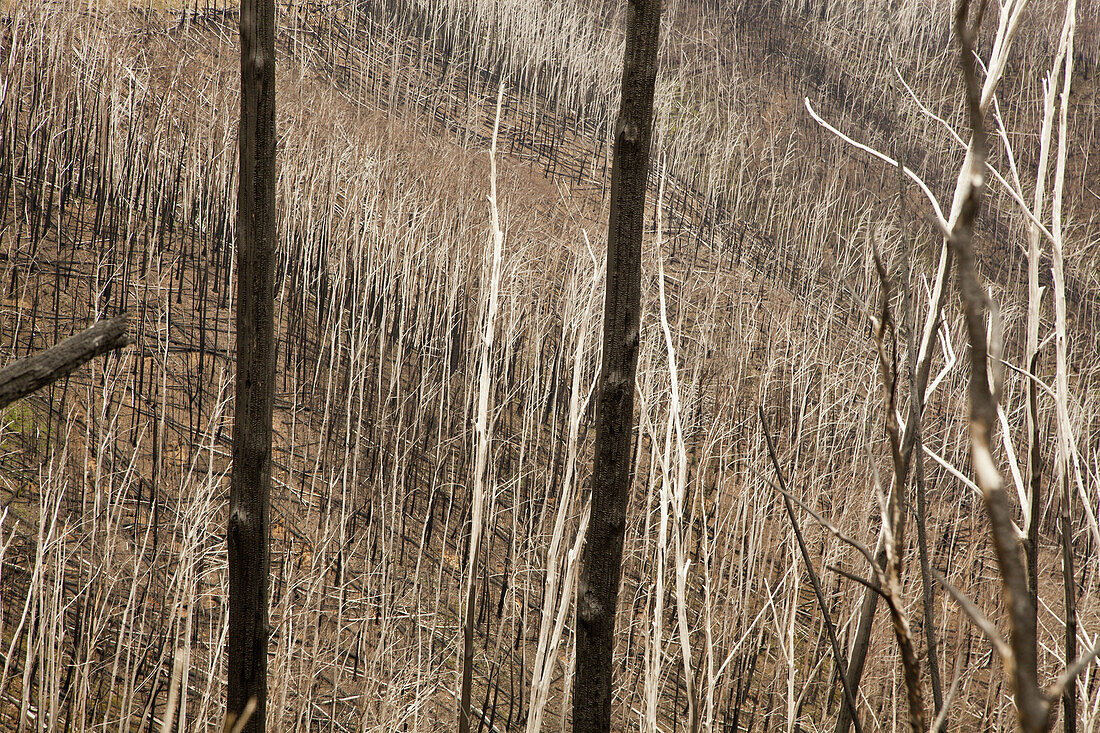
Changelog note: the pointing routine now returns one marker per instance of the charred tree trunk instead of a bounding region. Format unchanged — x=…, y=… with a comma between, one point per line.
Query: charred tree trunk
x=598, y=589
x=30, y=374
x=250, y=488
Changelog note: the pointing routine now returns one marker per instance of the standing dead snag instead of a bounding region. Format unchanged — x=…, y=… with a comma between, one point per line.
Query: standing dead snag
x=598, y=587
x=894, y=504
x=250, y=486
x=1035, y=706
x=1007, y=29
x=1064, y=430
x=838, y=653
x=914, y=442
x=483, y=428
x=1023, y=662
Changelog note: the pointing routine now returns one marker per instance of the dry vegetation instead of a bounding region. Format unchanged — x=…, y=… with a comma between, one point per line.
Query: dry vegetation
x=117, y=166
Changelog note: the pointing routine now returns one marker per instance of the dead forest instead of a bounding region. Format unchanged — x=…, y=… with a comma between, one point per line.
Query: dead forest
x=866, y=449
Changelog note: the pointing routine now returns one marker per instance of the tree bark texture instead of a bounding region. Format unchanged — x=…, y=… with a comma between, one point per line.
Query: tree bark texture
x=32, y=373
x=598, y=587
x=250, y=487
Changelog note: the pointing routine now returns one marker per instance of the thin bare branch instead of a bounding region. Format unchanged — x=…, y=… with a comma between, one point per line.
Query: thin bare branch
x=978, y=618
x=1066, y=678
x=830, y=628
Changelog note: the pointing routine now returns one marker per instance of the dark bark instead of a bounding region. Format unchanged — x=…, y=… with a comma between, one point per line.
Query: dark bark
x=1035, y=480
x=598, y=587
x=830, y=628
x=250, y=487
x=862, y=642
x=927, y=594
x=31, y=373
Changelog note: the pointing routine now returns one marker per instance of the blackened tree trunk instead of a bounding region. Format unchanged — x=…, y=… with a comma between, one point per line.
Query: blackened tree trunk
x=598, y=590
x=30, y=374
x=250, y=488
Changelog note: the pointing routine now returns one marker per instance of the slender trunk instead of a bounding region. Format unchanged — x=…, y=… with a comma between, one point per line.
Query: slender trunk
x=1061, y=378
x=914, y=443
x=850, y=703
x=1032, y=708
x=250, y=487
x=483, y=429
x=862, y=641
x=1069, y=694
x=598, y=590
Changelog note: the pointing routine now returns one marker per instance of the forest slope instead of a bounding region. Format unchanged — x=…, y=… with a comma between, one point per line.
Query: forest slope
x=118, y=157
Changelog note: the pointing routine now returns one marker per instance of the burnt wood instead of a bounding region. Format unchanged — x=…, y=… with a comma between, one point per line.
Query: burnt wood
x=248, y=535
x=598, y=586
x=32, y=373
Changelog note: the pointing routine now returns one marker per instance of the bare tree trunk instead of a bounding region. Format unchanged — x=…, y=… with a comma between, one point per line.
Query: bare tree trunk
x=1069, y=694
x=861, y=644
x=250, y=488
x=1031, y=705
x=598, y=589
x=914, y=443
x=830, y=628
x=1061, y=379
x=483, y=428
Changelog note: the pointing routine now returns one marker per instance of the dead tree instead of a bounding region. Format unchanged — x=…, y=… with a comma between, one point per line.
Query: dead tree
x=250, y=488
x=1035, y=706
x=598, y=587
x=30, y=374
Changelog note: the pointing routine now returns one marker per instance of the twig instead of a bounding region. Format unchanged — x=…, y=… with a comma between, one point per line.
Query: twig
x=939, y=724
x=862, y=581
x=1067, y=677
x=828, y=526
x=940, y=220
